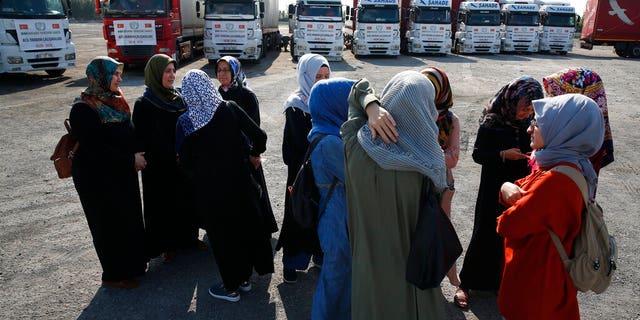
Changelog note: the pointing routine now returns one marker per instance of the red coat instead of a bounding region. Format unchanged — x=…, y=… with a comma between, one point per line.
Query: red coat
x=535, y=283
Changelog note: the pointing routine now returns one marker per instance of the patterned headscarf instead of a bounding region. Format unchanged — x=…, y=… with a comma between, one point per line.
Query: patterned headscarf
x=308, y=67
x=588, y=83
x=328, y=106
x=409, y=97
x=110, y=106
x=202, y=99
x=572, y=129
x=503, y=107
x=238, y=78
x=156, y=93
x=444, y=101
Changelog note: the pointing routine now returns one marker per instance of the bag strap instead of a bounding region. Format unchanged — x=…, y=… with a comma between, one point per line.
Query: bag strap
x=324, y=205
x=76, y=145
x=577, y=177
x=312, y=146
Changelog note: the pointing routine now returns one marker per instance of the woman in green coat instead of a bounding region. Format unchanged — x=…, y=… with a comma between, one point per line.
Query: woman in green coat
x=383, y=183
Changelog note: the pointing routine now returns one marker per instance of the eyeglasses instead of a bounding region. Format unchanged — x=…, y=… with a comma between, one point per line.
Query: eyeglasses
x=223, y=70
x=533, y=123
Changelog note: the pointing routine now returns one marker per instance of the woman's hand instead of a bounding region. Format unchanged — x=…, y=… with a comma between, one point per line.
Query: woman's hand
x=513, y=154
x=381, y=123
x=255, y=161
x=510, y=193
x=140, y=162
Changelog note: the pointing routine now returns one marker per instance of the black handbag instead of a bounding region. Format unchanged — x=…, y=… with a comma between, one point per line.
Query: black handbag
x=435, y=246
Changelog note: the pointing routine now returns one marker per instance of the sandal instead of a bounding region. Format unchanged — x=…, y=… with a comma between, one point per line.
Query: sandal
x=461, y=298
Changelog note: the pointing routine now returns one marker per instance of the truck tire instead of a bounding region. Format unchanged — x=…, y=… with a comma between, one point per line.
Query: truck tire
x=55, y=72
x=633, y=50
x=621, y=53
x=292, y=46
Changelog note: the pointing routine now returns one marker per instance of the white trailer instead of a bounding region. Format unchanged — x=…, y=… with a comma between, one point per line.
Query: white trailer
x=426, y=27
x=519, y=28
x=35, y=36
x=477, y=28
x=375, y=27
x=245, y=29
x=557, y=26
x=316, y=27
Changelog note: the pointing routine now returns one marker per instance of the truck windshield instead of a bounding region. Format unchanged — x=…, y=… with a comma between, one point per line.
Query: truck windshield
x=433, y=15
x=379, y=15
x=319, y=11
x=483, y=18
x=523, y=19
x=31, y=8
x=141, y=7
x=559, y=20
x=230, y=8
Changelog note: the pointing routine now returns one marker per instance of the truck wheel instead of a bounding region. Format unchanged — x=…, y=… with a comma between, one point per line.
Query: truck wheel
x=456, y=47
x=176, y=56
x=621, y=53
x=55, y=72
x=633, y=50
x=292, y=48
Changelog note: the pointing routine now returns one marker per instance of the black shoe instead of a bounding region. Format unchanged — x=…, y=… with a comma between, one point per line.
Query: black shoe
x=245, y=286
x=290, y=276
x=219, y=292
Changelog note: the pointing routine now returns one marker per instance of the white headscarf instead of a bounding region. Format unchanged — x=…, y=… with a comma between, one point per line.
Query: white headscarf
x=308, y=67
x=409, y=97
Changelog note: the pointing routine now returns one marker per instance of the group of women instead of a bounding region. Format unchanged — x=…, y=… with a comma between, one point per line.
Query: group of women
x=375, y=155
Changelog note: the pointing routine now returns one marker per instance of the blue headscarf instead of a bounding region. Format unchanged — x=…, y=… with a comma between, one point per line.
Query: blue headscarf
x=572, y=128
x=202, y=100
x=238, y=78
x=308, y=67
x=328, y=106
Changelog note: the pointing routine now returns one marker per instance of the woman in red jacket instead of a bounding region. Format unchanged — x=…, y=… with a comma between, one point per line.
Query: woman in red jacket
x=566, y=130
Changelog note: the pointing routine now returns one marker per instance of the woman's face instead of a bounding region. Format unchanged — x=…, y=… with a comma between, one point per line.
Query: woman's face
x=322, y=74
x=223, y=73
x=115, y=81
x=536, y=135
x=169, y=76
x=524, y=109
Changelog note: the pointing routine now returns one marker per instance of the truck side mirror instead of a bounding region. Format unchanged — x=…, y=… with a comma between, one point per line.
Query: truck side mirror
x=291, y=10
x=68, y=8
x=198, y=9
x=98, y=6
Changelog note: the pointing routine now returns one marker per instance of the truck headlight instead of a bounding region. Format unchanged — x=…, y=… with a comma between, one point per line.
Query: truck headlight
x=396, y=33
x=416, y=33
x=339, y=34
x=360, y=35
x=70, y=56
x=208, y=34
x=469, y=35
x=250, y=33
x=300, y=33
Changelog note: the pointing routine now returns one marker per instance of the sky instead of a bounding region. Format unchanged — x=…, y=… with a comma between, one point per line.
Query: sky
x=578, y=4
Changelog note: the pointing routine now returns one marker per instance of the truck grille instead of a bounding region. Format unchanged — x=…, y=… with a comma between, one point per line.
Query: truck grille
x=137, y=51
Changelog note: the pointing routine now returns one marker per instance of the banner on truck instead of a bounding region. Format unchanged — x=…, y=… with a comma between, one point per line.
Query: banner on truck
x=135, y=32
x=40, y=34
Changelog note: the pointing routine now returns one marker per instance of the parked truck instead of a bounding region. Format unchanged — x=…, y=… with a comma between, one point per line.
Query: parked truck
x=316, y=27
x=135, y=30
x=245, y=29
x=520, y=20
x=374, y=26
x=557, y=26
x=35, y=36
x=612, y=22
x=476, y=27
x=425, y=26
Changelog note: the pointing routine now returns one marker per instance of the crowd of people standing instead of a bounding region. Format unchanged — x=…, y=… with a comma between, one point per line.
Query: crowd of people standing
x=199, y=148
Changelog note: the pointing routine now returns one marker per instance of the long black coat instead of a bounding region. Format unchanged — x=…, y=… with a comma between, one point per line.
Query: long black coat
x=483, y=261
x=293, y=239
x=169, y=220
x=247, y=100
x=213, y=157
x=107, y=183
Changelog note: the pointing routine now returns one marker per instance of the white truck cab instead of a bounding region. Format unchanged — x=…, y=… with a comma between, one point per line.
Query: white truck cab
x=519, y=28
x=477, y=27
x=428, y=27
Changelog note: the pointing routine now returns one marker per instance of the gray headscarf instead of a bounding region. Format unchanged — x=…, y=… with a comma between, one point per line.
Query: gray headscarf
x=572, y=127
x=308, y=67
x=409, y=97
